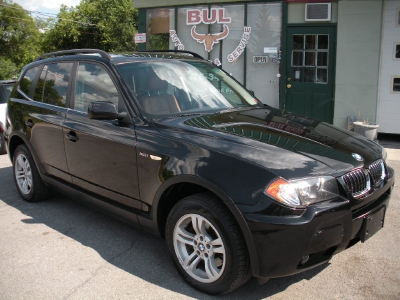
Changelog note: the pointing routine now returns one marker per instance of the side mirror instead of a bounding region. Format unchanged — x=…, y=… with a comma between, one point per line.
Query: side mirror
x=102, y=110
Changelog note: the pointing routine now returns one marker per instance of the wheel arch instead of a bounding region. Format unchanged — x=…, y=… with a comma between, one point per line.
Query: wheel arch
x=19, y=139
x=181, y=186
x=13, y=142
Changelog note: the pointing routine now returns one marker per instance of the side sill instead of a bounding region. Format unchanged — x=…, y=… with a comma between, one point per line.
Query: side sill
x=119, y=211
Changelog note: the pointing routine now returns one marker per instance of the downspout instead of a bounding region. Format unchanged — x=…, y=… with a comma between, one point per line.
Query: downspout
x=378, y=98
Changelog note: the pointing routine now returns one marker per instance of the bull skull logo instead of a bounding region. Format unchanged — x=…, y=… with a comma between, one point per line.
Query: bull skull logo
x=209, y=39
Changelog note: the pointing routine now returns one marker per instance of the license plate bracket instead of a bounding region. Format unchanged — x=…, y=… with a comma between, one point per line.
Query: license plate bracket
x=372, y=223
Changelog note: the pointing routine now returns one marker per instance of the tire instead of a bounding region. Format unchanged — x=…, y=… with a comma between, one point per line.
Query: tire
x=3, y=148
x=26, y=176
x=206, y=245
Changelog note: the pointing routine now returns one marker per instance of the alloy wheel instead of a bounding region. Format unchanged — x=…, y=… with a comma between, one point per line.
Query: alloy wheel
x=23, y=174
x=199, y=248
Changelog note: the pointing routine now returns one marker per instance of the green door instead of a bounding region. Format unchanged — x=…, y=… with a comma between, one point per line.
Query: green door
x=310, y=72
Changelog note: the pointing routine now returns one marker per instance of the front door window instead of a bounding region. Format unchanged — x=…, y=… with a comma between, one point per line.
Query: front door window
x=93, y=84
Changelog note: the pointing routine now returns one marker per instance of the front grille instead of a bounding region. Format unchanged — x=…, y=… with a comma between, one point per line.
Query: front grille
x=357, y=182
x=377, y=171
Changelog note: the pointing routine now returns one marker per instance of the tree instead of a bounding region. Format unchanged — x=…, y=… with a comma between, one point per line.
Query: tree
x=19, y=36
x=8, y=70
x=105, y=24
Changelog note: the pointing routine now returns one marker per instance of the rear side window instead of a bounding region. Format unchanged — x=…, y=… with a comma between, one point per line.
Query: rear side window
x=26, y=82
x=53, y=83
x=93, y=84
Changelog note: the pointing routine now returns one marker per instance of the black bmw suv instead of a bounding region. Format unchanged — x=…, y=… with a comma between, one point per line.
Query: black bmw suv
x=171, y=143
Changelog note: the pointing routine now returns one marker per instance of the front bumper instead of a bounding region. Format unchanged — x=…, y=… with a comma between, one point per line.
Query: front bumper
x=289, y=243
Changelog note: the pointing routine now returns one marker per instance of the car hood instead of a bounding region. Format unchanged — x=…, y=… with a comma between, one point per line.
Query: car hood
x=290, y=145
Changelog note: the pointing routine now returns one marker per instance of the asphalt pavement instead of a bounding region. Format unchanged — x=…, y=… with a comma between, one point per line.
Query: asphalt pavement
x=60, y=249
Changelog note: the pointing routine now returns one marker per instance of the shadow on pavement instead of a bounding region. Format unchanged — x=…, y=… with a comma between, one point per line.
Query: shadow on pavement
x=123, y=246
x=391, y=141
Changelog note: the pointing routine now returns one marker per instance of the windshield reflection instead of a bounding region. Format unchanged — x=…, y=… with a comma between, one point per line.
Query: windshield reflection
x=165, y=88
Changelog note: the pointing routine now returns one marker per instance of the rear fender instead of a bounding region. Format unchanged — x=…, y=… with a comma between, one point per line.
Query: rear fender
x=17, y=138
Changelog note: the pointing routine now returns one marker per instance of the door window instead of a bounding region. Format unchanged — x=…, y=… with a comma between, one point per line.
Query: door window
x=93, y=84
x=26, y=82
x=52, y=85
x=310, y=58
x=38, y=95
x=56, y=85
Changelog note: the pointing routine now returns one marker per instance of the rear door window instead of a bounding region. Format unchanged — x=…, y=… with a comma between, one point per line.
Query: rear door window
x=26, y=82
x=38, y=94
x=52, y=86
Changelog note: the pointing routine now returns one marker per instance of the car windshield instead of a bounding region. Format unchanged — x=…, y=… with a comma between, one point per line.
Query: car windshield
x=5, y=91
x=180, y=87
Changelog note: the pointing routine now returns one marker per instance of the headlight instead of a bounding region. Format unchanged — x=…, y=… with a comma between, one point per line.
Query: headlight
x=303, y=192
x=384, y=154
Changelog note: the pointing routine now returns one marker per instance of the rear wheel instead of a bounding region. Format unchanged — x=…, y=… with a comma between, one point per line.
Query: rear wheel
x=207, y=245
x=26, y=176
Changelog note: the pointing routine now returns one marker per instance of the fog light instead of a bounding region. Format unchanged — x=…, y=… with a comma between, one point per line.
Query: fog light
x=304, y=259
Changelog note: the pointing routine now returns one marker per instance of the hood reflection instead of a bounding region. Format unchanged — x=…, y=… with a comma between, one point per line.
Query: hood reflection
x=289, y=131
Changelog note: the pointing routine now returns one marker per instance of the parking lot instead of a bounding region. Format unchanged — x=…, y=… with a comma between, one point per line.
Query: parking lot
x=60, y=249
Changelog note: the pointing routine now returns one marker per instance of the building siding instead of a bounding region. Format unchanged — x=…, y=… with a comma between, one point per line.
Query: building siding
x=357, y=60
x=389, y=102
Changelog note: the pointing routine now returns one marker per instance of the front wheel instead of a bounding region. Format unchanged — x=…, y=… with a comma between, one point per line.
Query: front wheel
x=26, y=176
x=207, y=245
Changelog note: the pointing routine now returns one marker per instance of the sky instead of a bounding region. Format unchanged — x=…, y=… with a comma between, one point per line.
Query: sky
x=45, y=6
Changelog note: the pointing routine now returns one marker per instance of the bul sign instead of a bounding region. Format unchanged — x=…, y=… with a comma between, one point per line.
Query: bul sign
x=197, y=16
x=216, y=15
x=212, y=16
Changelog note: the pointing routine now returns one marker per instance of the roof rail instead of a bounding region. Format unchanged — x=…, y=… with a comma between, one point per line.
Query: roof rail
x=75, y=51
x=175, y=51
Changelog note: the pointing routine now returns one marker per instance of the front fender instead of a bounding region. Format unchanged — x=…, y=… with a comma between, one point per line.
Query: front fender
x=152, y=224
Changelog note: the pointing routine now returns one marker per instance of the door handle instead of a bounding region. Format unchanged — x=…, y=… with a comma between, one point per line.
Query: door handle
x=289, y=86
x=72, y=136
x=29, y=123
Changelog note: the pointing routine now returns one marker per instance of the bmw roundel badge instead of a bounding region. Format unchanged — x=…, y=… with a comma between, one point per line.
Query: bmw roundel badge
x=358, y=157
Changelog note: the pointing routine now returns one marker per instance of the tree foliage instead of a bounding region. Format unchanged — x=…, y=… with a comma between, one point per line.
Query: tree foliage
x=8, y=69
x=19, y=36
x=109, y=25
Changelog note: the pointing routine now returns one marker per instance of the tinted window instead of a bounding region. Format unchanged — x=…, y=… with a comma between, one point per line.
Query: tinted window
x=93, y=84
x=26, y=82
x=55, y=88
x=53, y=84
x=38, y=95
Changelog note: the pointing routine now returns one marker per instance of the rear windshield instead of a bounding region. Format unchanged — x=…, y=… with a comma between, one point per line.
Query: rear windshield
x=5, y=91
x=168, y=88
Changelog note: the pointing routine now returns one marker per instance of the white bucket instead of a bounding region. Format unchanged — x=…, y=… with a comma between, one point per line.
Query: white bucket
x=369, y=130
